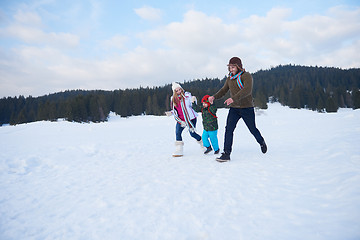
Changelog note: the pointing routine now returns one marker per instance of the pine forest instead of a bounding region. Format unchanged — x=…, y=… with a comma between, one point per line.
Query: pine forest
x=321, y=89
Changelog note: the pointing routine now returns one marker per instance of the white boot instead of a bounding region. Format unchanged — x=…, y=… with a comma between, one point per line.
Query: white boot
x=179, y=149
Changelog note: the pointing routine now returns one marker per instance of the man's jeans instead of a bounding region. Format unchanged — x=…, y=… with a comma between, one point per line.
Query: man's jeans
x=248, y=115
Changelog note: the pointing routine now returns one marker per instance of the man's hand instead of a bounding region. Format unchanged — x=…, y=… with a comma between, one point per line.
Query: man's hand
x=229, y=101
x=211, y=99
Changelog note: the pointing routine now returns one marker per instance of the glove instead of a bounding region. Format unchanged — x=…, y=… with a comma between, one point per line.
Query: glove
x=168, y=113
x=183, y=124
x=193, y=99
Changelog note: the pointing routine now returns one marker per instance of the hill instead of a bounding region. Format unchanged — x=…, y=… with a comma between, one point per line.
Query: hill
x=315, y=88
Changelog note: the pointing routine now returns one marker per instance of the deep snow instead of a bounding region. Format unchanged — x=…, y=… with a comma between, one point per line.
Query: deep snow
x=117, y=180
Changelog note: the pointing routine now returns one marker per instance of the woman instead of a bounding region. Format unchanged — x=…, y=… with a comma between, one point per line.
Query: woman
x=185, y=116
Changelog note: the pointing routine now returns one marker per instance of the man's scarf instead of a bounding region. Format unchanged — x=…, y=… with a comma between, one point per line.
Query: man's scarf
x=238, y=79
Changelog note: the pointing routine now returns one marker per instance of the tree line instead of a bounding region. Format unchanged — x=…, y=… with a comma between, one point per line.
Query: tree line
x=320, y=89
x=316, y=88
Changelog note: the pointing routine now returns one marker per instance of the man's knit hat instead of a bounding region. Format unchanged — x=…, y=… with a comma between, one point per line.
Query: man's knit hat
x=235, y=61
x=205, y=99
x=175, y=85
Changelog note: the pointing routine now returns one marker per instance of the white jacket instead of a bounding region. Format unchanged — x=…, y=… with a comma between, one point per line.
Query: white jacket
x=188, y=107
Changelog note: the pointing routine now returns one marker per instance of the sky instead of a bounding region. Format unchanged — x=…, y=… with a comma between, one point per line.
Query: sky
x=49, y=46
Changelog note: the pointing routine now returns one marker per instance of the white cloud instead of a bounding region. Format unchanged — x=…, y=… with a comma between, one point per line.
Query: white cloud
x=33, y=35
x=197, y=33
x=39, y=71
x=325, y=31
x=28, y=29
x=117, y=42
x=149, y=13
x=199, y=46
x=28, y=18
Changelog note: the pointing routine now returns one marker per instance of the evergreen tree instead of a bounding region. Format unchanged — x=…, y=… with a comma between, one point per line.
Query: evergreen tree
x=260, y=100
x=356, y=99
x=348, y=100
x=311, y=104
x=320, y=105
x=155, y=105
x=21, y=118
x=330, y=105
x=294, y=101
x=43, y=111
x=148, y=110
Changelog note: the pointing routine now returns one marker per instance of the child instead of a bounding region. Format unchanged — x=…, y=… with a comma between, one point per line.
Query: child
x=185, y=116
x=210, y=125
x=240, y=84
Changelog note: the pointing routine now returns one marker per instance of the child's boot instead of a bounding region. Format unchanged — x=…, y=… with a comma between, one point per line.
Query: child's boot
x=208, y=149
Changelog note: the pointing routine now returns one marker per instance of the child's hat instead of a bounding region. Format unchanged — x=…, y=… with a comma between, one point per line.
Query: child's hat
x=235, y=61
x=175, y=85
x=205, y=99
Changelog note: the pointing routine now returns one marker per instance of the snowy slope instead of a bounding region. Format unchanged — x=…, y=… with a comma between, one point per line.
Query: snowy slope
x=117, y=180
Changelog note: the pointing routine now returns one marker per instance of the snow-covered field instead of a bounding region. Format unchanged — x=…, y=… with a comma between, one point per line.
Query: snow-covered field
x=117, y=180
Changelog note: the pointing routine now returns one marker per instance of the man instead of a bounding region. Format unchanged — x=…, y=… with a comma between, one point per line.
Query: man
x=240, y=84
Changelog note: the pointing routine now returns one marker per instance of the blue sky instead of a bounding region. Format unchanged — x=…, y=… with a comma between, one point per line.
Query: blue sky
x=48, y=46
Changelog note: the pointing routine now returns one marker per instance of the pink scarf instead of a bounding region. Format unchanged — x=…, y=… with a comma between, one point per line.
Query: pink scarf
x=185, y=113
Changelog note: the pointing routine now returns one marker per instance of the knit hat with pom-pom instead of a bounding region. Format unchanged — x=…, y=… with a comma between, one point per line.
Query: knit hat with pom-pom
x=175, y=85
x=205, y=99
